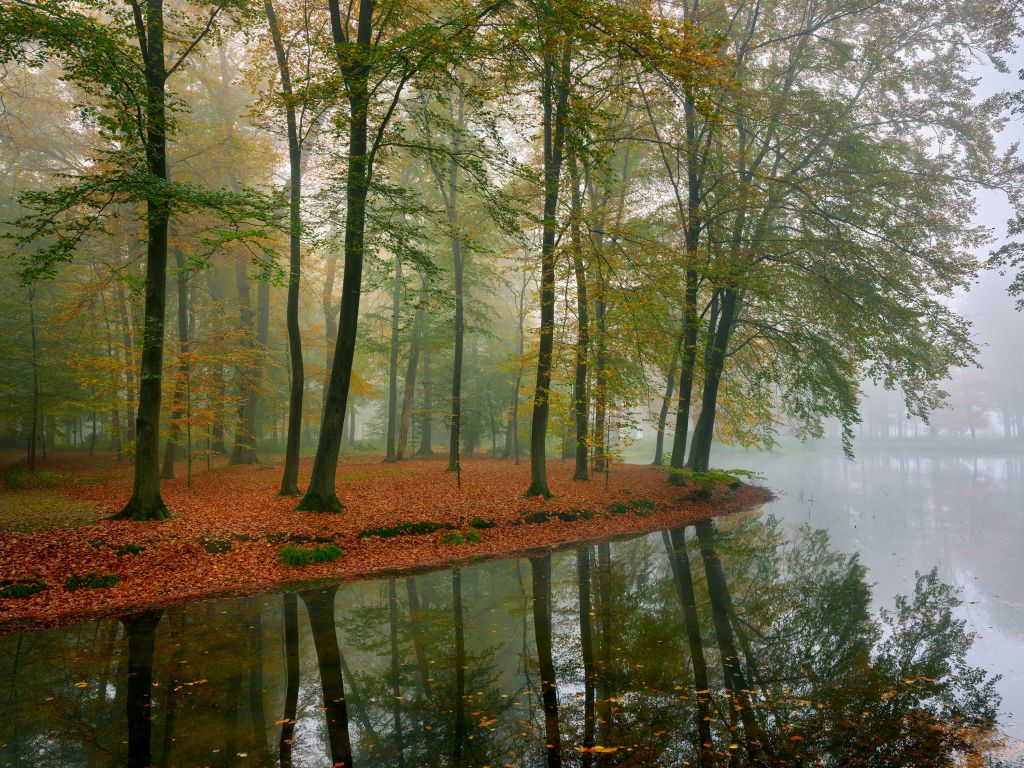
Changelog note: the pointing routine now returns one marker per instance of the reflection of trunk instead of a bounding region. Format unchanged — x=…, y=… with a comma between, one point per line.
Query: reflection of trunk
x=396, y=678
x=703, y=433
x=140, y=630
x=580, y=399
x=176, y=618
x=426, y=424
x=460, y=670
x=587, y=648
x=417, y=634
x=540, y=568
x=320, y=607
x=721, y=603
x=178, y=409
x=291, y=692
x=670, y=380
x=679, y=559
x=259, y=718
x=604, y=596
x=396, y=307
x=409, y=395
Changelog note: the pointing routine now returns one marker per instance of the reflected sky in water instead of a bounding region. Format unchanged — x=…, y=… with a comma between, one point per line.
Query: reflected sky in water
x=759, y=639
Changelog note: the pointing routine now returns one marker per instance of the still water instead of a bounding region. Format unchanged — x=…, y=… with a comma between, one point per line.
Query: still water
x=862, y=618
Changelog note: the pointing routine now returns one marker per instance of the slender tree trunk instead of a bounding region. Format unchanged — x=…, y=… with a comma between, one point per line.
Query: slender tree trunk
x=409, y=393
x=128, y=347
x=244, y=450
x=354, y=64
x=554, y=97
x=686, y=367
x=670, y=381
x=452, y=206
x=178, y=409
x=396, y=308
x=145, y=502
x=34, y=429
x=426, y=423
x=601, y=376
x=581, y=400
x=540, y=568
x=290, y=476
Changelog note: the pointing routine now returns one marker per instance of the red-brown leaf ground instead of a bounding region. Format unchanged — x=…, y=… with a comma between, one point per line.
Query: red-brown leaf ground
x=240, y=504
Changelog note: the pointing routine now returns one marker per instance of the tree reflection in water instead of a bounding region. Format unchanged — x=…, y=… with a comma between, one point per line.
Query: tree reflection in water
x=728, y=644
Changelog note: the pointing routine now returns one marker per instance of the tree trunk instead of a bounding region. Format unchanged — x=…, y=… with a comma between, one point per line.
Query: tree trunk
x=244, y=450
x=452, y=207
x=554, y=97
x=670, y=381
x=178, y=409
x=396, y=308
x=34, y=429
x=354, y=64
x=128, y=346
x=409, y=394
x=581, y=400
x=145, y=502
x=426, y=423
x=686, y=366
x=290, y=476
x=704, y=431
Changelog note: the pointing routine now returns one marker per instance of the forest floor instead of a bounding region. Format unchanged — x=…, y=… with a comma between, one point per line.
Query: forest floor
x=227, y=531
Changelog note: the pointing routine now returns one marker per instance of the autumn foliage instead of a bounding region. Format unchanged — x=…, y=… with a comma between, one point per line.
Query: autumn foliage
x=228, y=530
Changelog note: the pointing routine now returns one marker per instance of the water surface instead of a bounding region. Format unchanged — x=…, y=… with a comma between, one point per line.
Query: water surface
x=823, y=630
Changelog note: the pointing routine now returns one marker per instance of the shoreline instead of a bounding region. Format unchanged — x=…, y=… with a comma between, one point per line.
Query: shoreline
x=204, y=554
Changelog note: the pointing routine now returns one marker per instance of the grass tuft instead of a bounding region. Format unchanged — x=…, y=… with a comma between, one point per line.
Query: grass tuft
x=91, y=580
x=301, y=556
x=480, y=524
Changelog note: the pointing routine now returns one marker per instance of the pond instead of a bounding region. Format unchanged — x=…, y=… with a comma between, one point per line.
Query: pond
x=798, y=634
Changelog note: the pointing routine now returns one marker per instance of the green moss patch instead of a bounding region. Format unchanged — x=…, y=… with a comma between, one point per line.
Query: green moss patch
x=480, y=523
x=420, y=528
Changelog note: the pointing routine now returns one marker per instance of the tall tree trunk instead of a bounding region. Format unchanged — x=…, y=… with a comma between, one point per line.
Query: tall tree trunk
x=128, y=347
x=290, y=476
x=452, y=207
x=679, y=559
x=145, y=502
x=354, y=64
x=409, y=393
x=396, y=309
x=34, y=429
x=554, y=97
x=178, y=409
x=686, y=367
x=601, y=377
x=540, y=568
x=581, y=400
